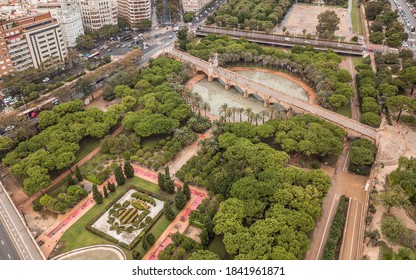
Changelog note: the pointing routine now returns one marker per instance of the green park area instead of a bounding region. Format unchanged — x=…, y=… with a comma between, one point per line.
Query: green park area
x=77, y=236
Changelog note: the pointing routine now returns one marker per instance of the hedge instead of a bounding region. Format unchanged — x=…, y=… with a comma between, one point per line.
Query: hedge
x=144, y=197
x=332, y=247
x=112, y=239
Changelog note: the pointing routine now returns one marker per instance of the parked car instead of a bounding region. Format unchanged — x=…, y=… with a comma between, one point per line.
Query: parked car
x=109, y=50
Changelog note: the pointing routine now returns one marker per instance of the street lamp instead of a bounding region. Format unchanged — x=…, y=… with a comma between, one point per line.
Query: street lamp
x=316, y=39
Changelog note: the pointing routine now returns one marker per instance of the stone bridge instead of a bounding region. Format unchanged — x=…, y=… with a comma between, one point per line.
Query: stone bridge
x=270, y=95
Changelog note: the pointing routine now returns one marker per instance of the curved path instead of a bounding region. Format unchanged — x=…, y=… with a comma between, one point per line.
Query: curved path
x=96, y=252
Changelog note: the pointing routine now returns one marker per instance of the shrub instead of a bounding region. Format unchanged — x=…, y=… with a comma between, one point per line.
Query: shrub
x=126, y=203
x=128, y=170
x=335, y=234
x=136, y=255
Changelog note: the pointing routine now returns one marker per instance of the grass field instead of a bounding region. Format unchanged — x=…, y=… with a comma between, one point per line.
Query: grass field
x=217, y=246
x=357, y=60
x=85, y=147
x=77, y=236
x=357, y=26
x=345, y=110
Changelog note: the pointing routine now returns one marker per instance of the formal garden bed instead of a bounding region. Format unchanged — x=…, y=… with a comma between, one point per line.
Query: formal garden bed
x=128, y=216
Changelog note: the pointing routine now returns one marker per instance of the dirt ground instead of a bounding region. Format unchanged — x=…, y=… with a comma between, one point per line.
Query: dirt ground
x=398, y=140
x=193, y=232
x=303, y=16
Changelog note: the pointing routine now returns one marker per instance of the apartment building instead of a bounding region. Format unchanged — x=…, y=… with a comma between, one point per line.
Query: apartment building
x=134, y=10
x=31, y=41
x=193, y=6
x=97, y=13
x=68, y=14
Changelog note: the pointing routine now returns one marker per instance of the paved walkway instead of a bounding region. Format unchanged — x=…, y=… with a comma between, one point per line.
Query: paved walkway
x=343, y=183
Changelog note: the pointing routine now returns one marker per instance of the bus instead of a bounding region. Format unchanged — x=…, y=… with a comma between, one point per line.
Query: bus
x=125, y=38
x=94, y=55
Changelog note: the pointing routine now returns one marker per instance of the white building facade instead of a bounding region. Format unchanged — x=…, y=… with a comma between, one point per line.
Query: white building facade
x=68, y=14
x=134, y=10
x=97, y=13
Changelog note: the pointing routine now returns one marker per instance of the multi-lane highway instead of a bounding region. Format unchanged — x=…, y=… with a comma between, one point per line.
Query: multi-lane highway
x=7, y=249
x=16, y=242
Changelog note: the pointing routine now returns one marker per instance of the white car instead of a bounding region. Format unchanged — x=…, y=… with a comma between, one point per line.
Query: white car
x=287, y=39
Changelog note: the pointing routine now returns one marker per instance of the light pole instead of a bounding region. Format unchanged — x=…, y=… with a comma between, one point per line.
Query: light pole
x=316, y=39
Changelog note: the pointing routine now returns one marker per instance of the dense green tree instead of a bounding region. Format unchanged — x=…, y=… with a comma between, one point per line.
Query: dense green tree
x=108, y=30
x=111, y=187
x=70, y=180
x=373, y=9
x=47, y=118
x=186, y=190
x=118, y=172
x=128, y=169
x=371, y=119
x=408, y=78
x=405, y=177
x=78, y=174
x=85, y=42
x=188, y=16
x=337, y=100
x=169, y=186
x=150, y=239
x=167, y=210
x=105, y=191
x=180, y=199
x=203, y=255
x=400, y=103
x=328, y=22
x=161, y=181
x=394, y=197
x=97, y=196
x=143, y=25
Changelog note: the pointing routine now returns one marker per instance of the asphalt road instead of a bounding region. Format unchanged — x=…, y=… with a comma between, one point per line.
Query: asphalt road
x=401, y=5
x=17, y=230
x=7, y=249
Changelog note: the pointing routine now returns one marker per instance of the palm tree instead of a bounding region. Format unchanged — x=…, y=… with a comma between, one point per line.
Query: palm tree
x=233, y=110
x=185, y=135
x=210, y=145
x=272, y=111
x=240, y=110
x=263, y=115
x=228, y=114
x=193, y=122
x=248, y=113
x=223, y=109
x=256, y=117
x=206, y=107
x=187, y=94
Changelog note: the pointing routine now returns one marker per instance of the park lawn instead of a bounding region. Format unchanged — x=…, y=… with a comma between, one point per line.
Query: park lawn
x=150, y=142
x=86, y=147
x=357, y=26
x=357, y=60
x=150, y=187
x=157, y=229
x=217, y=246
x=345, y=110
x=77, y=236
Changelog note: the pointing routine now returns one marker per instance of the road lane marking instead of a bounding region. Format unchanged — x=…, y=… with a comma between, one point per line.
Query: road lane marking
x=21, y=238
x=353, y=229
x=359, y=231
x=326, y=226
x=2, y=243
x=9, y=256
